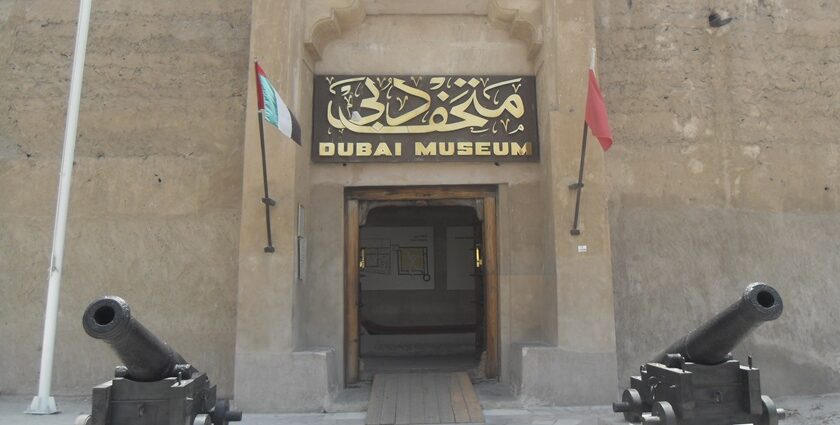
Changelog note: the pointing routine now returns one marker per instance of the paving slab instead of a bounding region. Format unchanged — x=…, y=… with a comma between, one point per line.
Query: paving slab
x=804, y=410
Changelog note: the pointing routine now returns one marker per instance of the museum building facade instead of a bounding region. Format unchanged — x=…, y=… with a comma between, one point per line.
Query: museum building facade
x=430, y=218
x=430, y=201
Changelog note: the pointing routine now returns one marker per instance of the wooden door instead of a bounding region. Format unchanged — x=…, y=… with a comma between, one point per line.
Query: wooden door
x=351, y=291
x=478, y=280
x=491, y=287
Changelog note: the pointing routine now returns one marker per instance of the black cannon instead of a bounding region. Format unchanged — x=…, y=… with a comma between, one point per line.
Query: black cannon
x=696, y=380
x=155, y=386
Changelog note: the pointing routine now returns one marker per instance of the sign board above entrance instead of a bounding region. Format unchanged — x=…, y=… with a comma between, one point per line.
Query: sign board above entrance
x=424, y=118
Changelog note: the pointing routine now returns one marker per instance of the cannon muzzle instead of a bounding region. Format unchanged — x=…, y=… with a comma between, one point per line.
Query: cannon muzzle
x=713, y=341
x=146, y=357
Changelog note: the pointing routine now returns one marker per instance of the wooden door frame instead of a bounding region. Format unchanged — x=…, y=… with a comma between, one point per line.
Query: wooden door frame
x=353, y=196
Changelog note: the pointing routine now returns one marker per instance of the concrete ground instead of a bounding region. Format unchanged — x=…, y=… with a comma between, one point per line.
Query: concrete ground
x=804, y=410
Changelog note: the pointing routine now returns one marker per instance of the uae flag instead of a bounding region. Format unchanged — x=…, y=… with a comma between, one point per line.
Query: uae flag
x=275, y=111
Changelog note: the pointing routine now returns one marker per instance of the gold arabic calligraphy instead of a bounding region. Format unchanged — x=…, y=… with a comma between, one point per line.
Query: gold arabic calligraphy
x=362, y=110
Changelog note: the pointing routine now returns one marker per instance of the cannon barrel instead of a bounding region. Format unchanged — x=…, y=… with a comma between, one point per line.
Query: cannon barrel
x=145, y=356
x=712, y=342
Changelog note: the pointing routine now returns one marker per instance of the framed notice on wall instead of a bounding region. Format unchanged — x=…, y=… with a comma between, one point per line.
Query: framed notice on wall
x=389, y=118
x=397, y=258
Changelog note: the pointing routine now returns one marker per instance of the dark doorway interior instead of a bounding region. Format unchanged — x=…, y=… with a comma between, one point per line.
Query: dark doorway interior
x=421, y=291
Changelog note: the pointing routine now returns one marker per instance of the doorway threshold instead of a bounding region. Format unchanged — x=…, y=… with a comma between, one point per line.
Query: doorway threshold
x=417, y=364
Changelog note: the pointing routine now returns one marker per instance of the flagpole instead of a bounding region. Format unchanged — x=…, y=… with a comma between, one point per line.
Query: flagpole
x=44, y=403
x=578, y=186
x=266, y=199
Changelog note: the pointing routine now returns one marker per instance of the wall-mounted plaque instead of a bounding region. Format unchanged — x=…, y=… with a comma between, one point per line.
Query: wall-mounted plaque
x=424, y=118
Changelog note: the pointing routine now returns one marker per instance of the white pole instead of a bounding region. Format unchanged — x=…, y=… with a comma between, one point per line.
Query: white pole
x=43, y=403
x=592, y=59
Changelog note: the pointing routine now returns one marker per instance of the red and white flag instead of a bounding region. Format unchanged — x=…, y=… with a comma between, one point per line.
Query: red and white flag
x=596, y=113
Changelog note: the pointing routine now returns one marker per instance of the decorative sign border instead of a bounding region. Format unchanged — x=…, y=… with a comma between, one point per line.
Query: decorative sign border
x=424, y=118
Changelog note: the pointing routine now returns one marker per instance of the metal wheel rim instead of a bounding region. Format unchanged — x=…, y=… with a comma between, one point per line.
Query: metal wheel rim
x=634, y=400
x=202, y=419
x=83, y=420
x=665, y=412
x=219, y=414
x=769, y=414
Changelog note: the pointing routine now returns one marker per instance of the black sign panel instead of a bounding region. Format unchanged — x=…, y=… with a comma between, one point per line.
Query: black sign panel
x=424, y=118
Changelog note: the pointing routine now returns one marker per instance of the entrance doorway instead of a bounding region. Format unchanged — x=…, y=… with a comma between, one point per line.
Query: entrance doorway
x=421, y=289
x=421, y=280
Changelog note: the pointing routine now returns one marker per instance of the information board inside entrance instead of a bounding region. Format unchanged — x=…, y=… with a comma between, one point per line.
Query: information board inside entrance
x=424, y=118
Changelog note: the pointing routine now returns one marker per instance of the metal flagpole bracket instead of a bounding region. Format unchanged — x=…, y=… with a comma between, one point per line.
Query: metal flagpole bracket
x=269, y=201
x=576, y=185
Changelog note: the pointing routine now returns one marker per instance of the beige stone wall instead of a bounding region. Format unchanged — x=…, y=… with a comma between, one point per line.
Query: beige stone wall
x=725, y=172
x=268, y=352
x=157, y=183
x=580, y=312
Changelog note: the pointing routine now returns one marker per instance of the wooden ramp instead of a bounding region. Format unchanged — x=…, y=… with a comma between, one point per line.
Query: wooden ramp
x=423, y=398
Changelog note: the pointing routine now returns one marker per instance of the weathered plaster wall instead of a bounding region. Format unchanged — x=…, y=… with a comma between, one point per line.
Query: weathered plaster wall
x=725, y=172
x=580, y=283
x=270, y=349
x=156, y=193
